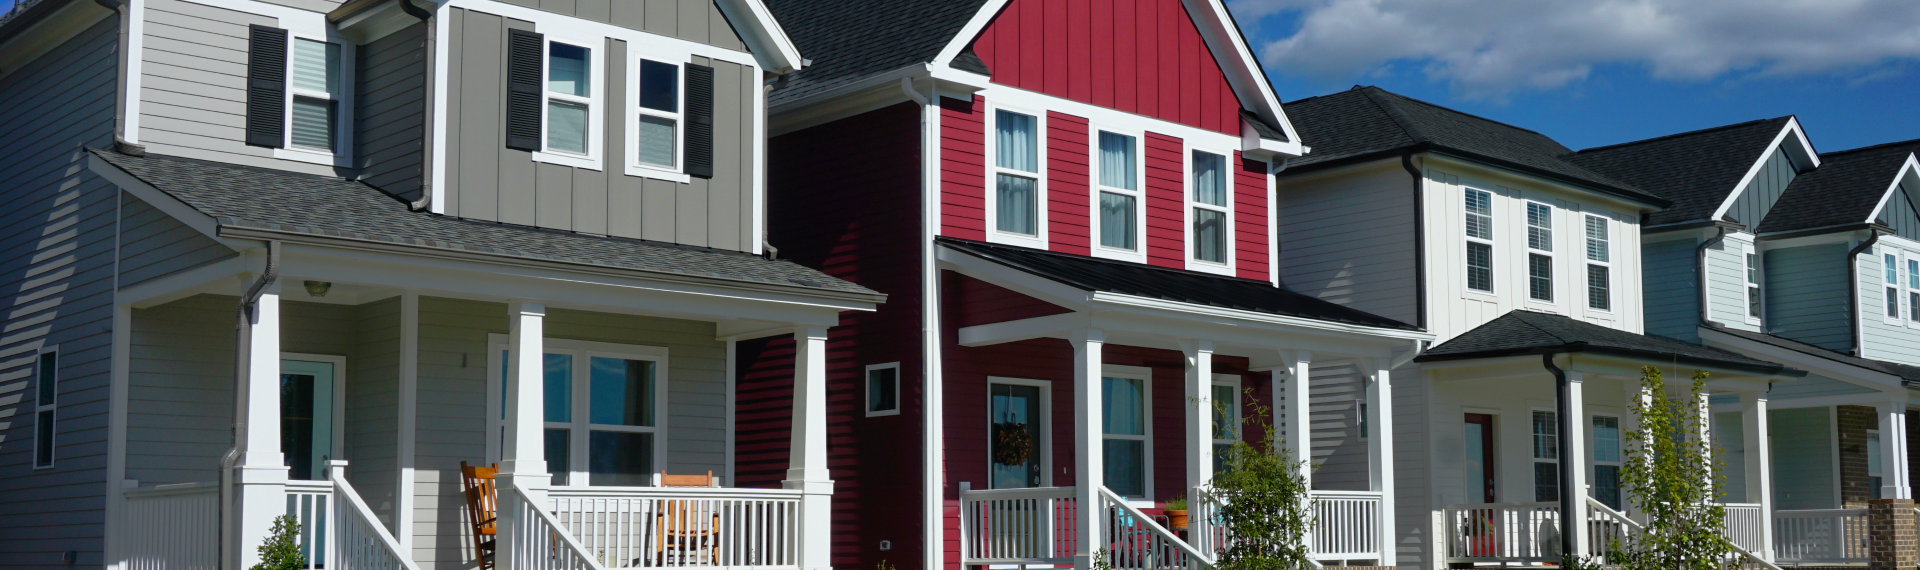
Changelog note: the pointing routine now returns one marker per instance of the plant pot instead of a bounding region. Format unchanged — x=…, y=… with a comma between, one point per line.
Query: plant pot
x=1177, y=520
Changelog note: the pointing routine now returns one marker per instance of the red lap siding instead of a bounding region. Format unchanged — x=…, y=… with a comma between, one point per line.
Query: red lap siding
x=1068, y=196
x=1250, y=205
x=963, y=162
x=1165, y=190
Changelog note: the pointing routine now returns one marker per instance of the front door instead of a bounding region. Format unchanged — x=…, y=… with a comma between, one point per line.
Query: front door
x=1479, y=458
x=1015, y=423
x=306, y=417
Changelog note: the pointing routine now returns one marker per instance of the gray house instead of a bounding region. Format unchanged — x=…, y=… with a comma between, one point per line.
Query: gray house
x=1810, y=260
x=296, y=257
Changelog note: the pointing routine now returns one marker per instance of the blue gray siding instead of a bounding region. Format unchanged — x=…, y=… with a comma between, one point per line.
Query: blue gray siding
x=56, y=279
x=390, y=116
x=1812, y=386
x=1672, y=294
x=1727, y=282
x=1765, y=189
x=1803, y=459
x=153, y=244
x=1881, y=340
x=1807, y=295
x=1899, y=211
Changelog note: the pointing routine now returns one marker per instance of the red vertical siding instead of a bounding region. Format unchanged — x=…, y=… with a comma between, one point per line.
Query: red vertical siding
x=1250, y=205
x=1068, y=194
x=1165, y=199
x=844, y=197
x=978, y=302
x=1160, y=66
x=963, y=148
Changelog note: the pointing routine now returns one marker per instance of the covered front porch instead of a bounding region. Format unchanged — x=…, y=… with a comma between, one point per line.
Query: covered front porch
x=1087, y=417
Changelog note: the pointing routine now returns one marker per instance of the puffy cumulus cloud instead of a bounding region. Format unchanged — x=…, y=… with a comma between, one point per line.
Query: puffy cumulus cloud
x=1489, y=48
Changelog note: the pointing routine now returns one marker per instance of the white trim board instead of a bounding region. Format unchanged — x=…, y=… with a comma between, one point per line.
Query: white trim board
x=1908, y=170
x=1806, y=160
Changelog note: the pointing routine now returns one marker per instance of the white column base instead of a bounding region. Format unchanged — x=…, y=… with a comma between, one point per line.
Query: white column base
x=816, y=522
x=261, y=493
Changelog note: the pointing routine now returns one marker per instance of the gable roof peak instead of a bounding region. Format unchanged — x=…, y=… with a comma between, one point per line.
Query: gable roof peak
x=1914, y=145
x=1782, y=120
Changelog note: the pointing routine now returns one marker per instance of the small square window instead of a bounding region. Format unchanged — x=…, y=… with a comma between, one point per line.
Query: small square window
x=883, y=389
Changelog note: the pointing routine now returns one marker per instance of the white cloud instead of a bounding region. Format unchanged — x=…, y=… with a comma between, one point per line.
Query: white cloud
x=1489, y=48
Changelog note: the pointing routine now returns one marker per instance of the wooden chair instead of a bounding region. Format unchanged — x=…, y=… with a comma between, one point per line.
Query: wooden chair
x=482, y=509
x=680, y=529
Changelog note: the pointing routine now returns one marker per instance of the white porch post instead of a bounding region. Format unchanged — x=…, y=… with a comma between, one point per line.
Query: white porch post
x=1575, y=459
x=1292, y=383
x=1199, y=421
x=523, y=464
x=1893, y=450
x=1088, y=467
x=1380, y=450
x=261, y=476
x=1758, y=453
x=807, y=459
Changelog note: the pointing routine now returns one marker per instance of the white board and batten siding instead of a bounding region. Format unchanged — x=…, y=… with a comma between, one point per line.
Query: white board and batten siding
x=453, y=386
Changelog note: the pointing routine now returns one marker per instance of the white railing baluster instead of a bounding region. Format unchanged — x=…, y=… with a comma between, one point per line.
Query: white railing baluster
x=717, y=527
x=173, y=526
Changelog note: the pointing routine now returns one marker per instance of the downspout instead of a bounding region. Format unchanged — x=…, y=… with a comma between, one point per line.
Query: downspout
x=1419, y=242
x=932, y=481
x=1563, y=401
x=249, y=304
x=418, y=13
x=426, y=103
x=1700, y=275
x=1853, y=288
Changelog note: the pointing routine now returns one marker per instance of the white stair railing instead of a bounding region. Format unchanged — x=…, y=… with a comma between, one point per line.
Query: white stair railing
x=1014, y=526
x=540, y=542
x=1606, y=525
x=683, y=527
x=173, y=527
x=1136, y=542
x=362, y=543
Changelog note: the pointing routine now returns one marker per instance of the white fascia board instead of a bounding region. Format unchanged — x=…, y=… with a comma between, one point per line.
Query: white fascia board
x=763, y=35
x=1908, y=169
x=1862, y=399
x=1120, y=302
x=871, y=93
x=220, y=276
x=959, y=42
x=1806, y=156
x=162, y=201
x=1586, y=195
x=1023, y=329
x=1019, y=281
x=1812, y=363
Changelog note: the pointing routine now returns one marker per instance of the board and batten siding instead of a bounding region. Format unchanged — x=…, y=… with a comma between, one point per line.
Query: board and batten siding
x=1803, y=456
x=453, y=387
x=1727, y=282
x=692, y=20
x=1764, y=189
x=485, y=180
x=1806, y=291
x=1347, y=238
x=1881, y=340
x=1899, y=213
x=390, y=114
x=56, y=282
x=1671, y=282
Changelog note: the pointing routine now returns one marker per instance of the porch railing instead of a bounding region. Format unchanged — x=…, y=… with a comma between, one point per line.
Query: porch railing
x=173, y=527
x=1346, y=525
x=1746, y=525
x=337, y=529
x=539, y=541
x=1135, y=542
x=1823, y=536
x=658, y=527
x=1010, y=526
x=1518, y=532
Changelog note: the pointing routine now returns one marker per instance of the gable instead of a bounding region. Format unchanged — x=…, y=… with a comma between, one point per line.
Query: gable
x=1145, y=57
x=1899, y=211
x=1763, y=190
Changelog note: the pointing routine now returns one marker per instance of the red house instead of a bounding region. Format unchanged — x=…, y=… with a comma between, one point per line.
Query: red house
x=1068, y=204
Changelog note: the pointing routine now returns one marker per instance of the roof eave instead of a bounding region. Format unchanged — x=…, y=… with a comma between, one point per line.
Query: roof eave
x=1582, y=347
x=1842, y=228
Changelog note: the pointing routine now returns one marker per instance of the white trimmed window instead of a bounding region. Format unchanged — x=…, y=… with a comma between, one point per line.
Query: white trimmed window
x=1209, y=212
x=1875, y=464
x=1607, y=458
x=1016, y=204
x=658, y=84
x=571, y=89
x=1479, y=208
x=319, y=102
x=1599, y=264
x=1539, y=252
x=46, y=403
x=1913, y=291
x=1119, y=223
x=883, y=389
x=1546, y=456
x=1225, y=402
x=1890, y=267
x=1126, y=425
x=605, y=410
x=1752, y=276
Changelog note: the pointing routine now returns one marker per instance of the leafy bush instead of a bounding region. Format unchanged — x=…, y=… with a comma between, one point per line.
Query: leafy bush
x=1671, y=474
x=1262, y=500
x=281, y=551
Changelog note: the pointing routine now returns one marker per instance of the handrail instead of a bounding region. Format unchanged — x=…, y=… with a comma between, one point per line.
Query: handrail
x=1020, y=493
x=1153, y=527
x=557, y=531
x=172, y=489
x=1603, y=509
x=1813, y=513
x=674, y=492
x=343, y=489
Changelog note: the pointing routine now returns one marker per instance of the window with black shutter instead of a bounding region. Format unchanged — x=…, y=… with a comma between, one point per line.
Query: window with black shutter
x=524, y=99
x=266, y=86
x=699, y=115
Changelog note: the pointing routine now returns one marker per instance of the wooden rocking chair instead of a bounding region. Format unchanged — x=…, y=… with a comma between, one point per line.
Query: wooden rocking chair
x=482, y=509
x=680, y=527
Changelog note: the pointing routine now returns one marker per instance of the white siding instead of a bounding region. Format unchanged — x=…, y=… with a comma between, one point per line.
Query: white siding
x=1348, y=238
x=1339, y=455
x=1882, y=340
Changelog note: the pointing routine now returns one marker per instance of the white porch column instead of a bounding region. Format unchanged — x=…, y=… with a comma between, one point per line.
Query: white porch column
x=1199, y=422
x=523, y=464
x=1291, y=383
x=1088, y=466
x=261, y=475
x=1380, y=450
x=1758, y=453
x=1893, y=451
x=1575, y=458
x=807, y=459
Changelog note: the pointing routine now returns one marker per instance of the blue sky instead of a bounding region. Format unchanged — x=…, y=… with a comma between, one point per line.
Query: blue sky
x=1597, y=72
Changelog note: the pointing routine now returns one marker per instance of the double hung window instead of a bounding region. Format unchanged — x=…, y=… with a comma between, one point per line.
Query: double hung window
x=1017, y=207
x=1891, y=268
x=314, y=96
x=45, y=403
x=1479, y=207
x=1599, y=260
x=1752, y=277
x=657, y=140
x=1913, y=292
x=1539, y=252
x=604, y=410
x=1117, y=204
x=1606, y=460
x=569, y=97
x=1546, y=457
x=1124, y=435
x=1208, y=210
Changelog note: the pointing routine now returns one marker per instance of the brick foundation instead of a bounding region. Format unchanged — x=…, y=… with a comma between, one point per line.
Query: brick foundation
x=1891, y=538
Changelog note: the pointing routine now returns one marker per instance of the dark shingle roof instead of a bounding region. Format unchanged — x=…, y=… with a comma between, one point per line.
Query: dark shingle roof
x=1843, y=191
x=1526, y=332
x=262, y=199
x=851, y=40
x=1369, y=123
x=1094, y=274
x=1907, y=374
x=1696, y=170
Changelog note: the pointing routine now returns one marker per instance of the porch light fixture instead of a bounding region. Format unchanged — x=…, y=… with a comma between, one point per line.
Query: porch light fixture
x=318, y=288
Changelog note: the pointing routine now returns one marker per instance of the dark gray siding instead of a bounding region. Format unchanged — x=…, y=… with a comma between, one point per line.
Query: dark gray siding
x=691, y=20
x=1672, y=288
x=487, y=181
x=390, y=117
x=1899, y=212
x=1807, y=295
x=56, y=279
x=153, y=244
x=1764, y=189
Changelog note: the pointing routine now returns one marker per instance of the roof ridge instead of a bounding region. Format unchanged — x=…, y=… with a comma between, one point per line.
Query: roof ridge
x=1460, y=112
x=1873, y=147
x=1682, y=134
x=1394, y=113
x=1530, y=324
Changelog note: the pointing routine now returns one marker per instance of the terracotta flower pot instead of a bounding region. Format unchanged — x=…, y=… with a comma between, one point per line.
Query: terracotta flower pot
x=1177, y=520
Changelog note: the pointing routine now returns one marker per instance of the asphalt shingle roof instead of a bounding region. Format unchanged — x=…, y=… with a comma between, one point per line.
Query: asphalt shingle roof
x=1842, y=191
x=256, y=198
x=1696, y=170
x=1094, y=274
x=1908, y=374
x=851, y=40
x=1368, y=123
x=1527, y=332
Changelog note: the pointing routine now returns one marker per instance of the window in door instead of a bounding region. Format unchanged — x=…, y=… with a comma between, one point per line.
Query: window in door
x=1124, y=444
x=307, y=413
x=1478, y=457
x=1606, y=460
x=1017, y=420
x=1546, y=457
x=1226, y=419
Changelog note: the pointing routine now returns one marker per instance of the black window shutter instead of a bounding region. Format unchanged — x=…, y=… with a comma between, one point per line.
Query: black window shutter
x=523, y=89
x=699, y=121
x=266, y=86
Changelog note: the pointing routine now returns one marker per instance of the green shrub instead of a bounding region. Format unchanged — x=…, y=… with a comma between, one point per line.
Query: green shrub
x=281, y=551
x=1261, y=498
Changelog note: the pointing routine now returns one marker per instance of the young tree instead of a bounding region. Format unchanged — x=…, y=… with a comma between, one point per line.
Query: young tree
x=1261, y=499
x=281, y=550
x=1671, y=472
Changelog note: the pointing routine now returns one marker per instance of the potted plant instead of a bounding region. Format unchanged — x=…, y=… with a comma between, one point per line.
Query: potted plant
x=1177, y=513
